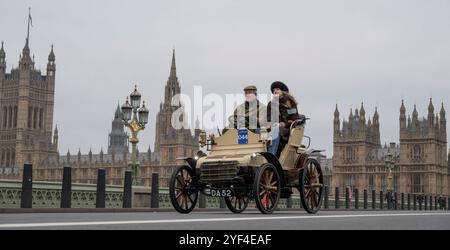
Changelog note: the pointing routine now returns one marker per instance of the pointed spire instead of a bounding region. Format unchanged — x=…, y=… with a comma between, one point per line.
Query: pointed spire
x=172, y=86
x=25, y=59
x=2, y=53
x=362, y=112
x=375, y=116
x=26, y=48
x=118, y=112
x=51, y=56
x=415, y=115
x=442, y=112
x=402, y=108
x=430, y=107
x=197, y=123
x=336, y=111
x=173, y=67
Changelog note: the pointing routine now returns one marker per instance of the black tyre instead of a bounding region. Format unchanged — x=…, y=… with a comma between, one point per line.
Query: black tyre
x=237, y=204
x=267, y=188
x=183, y=195
x=311, y=186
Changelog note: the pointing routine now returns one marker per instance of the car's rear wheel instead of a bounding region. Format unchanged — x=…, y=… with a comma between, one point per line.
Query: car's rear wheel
x=311, y=186
x=237, y=204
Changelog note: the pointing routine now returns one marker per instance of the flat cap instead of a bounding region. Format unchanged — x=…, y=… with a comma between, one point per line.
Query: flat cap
x=250, y=87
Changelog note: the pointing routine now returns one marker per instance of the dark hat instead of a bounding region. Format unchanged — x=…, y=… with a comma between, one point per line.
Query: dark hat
x=250, y=87
x=279, y=85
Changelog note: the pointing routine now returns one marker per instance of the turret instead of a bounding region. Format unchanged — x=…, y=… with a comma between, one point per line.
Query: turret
x=2, y=62
x=402, y=116
x=101, y=154
x=430, y=115
x=376, y=127
x=350, y=122
x=336, y=122
x=90, y=155
x=55, y=137
x=79, y=155
x=51, y=66
x=68, y=156
x=443, y=123
x=362, y=119
x=415, y=118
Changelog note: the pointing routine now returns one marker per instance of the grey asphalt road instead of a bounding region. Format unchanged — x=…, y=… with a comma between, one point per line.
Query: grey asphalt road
x=225, y=220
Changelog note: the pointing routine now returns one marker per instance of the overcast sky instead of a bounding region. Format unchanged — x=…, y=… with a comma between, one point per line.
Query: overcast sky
x=327, y=52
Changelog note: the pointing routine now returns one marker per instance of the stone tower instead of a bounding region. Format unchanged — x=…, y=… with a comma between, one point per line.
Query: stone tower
x=26, y=111
x=171, y=143
x=118, y=138
x=423, y=147
x=352, y=144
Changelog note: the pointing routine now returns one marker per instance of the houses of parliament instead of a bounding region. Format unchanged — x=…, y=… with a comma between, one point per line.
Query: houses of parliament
x=422, y=164
x=27, y=135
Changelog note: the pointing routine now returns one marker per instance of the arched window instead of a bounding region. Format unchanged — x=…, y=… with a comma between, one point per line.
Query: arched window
x=349, y=154
x=417, y=185
x=171, y=157
x=15, y=116
x=2, y=158
x=371, y=183
x=30, y=116
x=13, y=157
x=7, y=157
x=417, y=152
x=10, y=111
x=41, y=118
x=35, y=115
x=5, y=116
x=383, y=183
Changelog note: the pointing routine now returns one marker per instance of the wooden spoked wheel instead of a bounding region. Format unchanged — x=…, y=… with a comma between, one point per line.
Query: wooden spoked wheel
x=311, y=186
x=237, y=204
x=267, y=188
x=183, y=194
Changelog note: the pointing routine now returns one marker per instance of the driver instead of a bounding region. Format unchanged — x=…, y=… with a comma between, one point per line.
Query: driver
x=281, y=112
x=251, y=114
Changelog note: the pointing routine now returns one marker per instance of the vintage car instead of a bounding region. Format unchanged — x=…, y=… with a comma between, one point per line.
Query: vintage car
x=239, y=169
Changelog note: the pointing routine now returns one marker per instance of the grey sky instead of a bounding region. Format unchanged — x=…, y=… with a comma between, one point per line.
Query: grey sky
x=326, y=51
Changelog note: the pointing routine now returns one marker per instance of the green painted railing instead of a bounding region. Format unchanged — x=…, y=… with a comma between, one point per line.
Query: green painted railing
x=48, y=195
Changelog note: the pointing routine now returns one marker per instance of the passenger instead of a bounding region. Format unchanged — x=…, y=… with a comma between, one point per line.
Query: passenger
x=281, y=112
x=251, y=114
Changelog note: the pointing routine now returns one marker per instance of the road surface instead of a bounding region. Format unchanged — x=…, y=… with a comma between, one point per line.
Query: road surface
x=225, y=220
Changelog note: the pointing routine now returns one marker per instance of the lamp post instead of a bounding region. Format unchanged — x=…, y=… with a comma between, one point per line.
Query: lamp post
x=135, y=119
x=390, y=165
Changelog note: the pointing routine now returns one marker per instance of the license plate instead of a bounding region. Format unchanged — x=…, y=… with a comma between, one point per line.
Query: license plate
x=220, y=192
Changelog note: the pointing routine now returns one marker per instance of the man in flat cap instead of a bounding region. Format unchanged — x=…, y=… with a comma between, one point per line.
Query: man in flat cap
x=251, y=114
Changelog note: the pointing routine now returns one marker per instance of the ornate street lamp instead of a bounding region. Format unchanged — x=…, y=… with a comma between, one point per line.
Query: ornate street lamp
x=390, y=164
x=135, y=119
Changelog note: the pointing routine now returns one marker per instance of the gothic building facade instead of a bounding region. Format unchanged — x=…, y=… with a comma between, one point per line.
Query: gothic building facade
x=26, y=112
x=26, y=119
x=172, y=142
x=421, y=159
